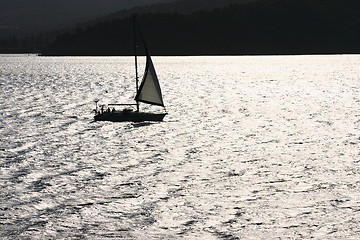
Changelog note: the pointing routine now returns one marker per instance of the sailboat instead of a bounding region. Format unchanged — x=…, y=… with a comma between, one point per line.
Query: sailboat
x=148, y=92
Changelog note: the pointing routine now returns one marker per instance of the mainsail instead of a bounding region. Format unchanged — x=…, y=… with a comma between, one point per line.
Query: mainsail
x=149, y=90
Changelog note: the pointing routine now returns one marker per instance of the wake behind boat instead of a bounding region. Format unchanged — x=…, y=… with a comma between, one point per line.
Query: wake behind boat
x=148, y=92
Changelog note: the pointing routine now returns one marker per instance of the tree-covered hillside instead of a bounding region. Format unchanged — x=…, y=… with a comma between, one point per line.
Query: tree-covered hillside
x=262, y=27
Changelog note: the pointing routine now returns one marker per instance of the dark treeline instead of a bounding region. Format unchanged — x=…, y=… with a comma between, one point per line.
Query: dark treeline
x=22, y=43
x=264, y=27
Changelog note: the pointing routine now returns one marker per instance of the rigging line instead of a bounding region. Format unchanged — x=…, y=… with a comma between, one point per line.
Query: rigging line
x=136, y=63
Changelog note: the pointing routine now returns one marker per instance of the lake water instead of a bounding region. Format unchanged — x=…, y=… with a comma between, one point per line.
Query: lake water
x=253, y=147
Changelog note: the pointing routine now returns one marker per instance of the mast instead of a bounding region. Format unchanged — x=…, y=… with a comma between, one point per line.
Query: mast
x=149, y=90
x=136, y=63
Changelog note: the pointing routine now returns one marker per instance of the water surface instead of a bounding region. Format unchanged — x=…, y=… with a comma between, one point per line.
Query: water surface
x=262, y=147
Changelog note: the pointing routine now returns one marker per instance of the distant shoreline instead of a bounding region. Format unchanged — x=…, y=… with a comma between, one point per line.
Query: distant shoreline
x=202, y=55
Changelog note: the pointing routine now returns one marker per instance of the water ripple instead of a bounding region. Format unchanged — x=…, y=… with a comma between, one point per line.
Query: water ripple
x=261, y=147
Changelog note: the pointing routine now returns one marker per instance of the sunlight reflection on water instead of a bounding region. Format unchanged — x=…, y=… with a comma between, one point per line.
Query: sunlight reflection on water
x=253, y=147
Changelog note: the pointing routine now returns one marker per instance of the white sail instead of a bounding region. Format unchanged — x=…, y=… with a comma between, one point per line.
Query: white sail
x=149, y=90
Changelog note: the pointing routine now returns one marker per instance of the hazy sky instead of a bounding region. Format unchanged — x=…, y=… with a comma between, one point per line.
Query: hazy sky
x=39, y=15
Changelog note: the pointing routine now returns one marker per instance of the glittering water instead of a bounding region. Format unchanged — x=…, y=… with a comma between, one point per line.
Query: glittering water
x=263, y=147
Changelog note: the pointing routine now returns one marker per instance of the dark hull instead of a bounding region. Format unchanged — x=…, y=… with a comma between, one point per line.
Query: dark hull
x=129, y=116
